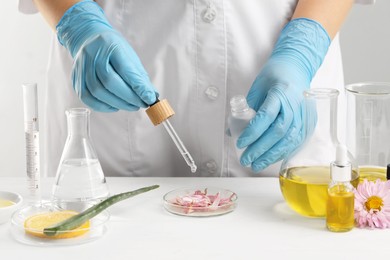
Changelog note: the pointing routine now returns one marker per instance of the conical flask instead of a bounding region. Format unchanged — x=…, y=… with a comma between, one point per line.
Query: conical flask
x=80, y=180
x=305, y=175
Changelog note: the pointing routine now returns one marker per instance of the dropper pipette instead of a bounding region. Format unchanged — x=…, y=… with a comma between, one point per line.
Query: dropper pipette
x=158, y=113
x=179, y=144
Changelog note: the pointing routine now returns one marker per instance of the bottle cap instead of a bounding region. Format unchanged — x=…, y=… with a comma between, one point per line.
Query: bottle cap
x=238, y=103
x=341, y=169
x=159, y=111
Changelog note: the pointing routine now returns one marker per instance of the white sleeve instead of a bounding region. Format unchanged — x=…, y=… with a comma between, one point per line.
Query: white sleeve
x=27, y=7
x=365, y=2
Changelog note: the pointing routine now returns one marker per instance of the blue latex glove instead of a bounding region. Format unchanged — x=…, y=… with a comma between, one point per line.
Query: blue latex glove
x=107, y=73
x=277, y=95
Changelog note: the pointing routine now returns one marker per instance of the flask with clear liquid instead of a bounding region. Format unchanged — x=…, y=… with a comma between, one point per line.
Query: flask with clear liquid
x=80, y=180
x=305, y=174
x=239, y=118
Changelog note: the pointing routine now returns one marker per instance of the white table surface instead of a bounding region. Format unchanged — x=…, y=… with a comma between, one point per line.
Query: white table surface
x=261, y=227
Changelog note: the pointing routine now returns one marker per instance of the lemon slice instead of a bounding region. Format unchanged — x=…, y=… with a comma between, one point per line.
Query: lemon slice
x=35, y=224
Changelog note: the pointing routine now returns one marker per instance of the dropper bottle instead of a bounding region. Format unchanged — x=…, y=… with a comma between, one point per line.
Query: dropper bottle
x=340, y=205
x=159, y=112
x=241, y=115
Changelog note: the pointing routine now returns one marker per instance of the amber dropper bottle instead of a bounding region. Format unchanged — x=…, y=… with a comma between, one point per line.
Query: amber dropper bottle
x=340, y=205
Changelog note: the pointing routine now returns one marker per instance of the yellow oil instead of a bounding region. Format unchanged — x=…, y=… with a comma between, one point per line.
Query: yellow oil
x=340, y=209
x=305, y=189
x=372, y=173
x=6, y=203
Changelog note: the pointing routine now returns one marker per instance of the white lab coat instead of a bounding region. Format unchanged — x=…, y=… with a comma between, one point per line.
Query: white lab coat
x=199, y=54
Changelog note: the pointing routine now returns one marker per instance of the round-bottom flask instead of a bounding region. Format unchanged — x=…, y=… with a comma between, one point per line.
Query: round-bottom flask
x=305, y=175
x=80, y=179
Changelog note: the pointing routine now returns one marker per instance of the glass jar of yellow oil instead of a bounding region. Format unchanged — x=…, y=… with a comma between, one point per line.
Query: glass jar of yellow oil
x=372, y=173
x=305, y=189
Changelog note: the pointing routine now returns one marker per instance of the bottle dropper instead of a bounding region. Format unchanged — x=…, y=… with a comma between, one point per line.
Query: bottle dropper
x=388, y=172
x=340, y=204
x=159, y=112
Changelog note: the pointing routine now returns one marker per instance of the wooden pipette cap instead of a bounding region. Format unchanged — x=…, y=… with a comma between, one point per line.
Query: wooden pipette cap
x=159, y=111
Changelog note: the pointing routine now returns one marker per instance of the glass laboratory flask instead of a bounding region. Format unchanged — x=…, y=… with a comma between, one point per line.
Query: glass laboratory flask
x=305, y=174
x=80, y=181
x=368, y=127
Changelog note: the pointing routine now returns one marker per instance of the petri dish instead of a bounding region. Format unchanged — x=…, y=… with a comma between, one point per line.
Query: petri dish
x=96, y=229
x=184, y=202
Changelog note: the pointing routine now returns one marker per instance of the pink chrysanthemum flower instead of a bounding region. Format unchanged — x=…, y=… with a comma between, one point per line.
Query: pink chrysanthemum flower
x=372, y=204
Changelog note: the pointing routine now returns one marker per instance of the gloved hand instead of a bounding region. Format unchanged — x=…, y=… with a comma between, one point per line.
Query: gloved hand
x=107, y=73
x=277, y=95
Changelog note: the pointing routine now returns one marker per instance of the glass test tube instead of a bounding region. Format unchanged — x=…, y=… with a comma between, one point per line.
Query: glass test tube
x=31, y=129
x=179, y=144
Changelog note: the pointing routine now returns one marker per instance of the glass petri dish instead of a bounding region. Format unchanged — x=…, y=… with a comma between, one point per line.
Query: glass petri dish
x=180, y=202
x=96, y=229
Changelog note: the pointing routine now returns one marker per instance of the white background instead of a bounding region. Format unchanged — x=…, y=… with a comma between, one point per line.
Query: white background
x=25, y=42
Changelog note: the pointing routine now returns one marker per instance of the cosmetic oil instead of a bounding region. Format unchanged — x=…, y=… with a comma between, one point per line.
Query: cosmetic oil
x=5, y=203
x=340, y=204
x=305, y=189
x=372, y=173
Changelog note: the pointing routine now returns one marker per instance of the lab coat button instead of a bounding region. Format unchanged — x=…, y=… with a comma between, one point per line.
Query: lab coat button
x=209, y=14
x=212, y=92
x=211, y=166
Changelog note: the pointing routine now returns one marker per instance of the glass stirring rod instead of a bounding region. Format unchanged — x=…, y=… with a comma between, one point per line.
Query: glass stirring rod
x=159, y=112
